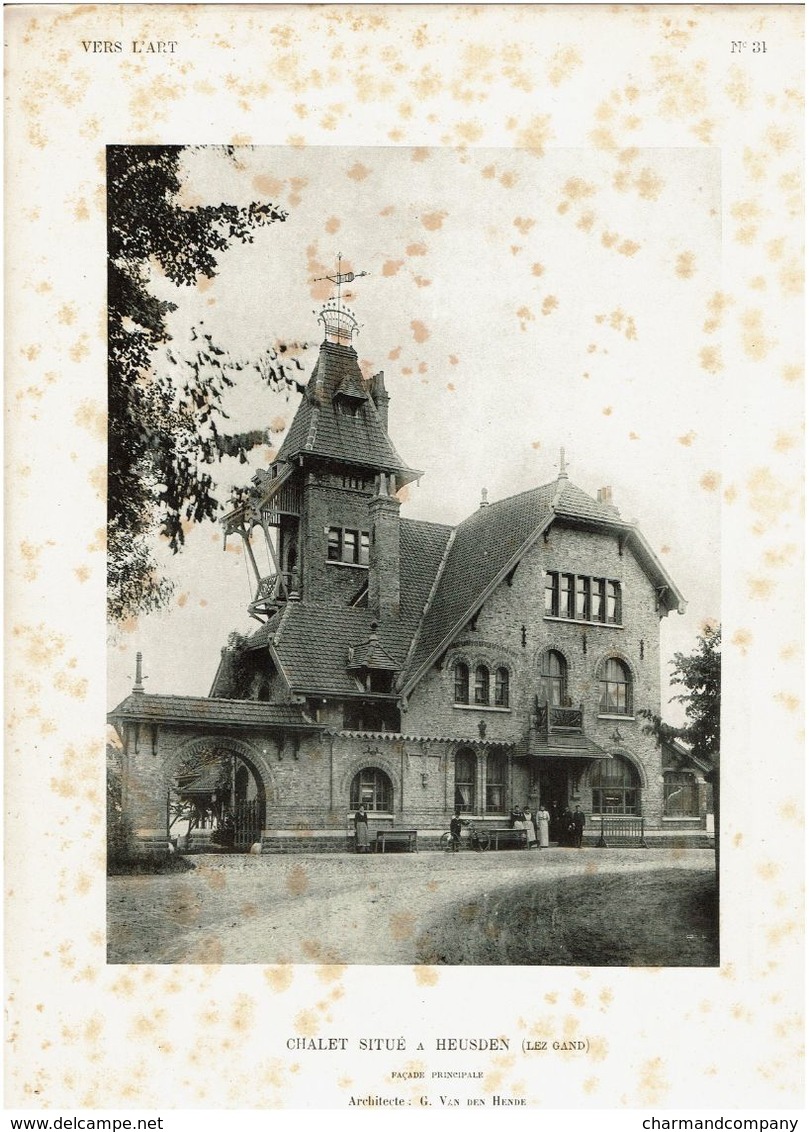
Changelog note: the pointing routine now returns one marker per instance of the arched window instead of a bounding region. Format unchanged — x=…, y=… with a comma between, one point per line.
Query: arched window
x=501, y=687
x=680, y=794
x=495, y=783
x=616, y=788
x=461, y=683
x=465, y=781
x=372, y=788
x=616, y=688
x=553, y=678
x=481, y=684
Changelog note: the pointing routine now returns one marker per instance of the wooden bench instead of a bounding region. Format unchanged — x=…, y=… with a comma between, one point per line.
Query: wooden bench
x=621, y=829
x=506, y=838
x=402, y=838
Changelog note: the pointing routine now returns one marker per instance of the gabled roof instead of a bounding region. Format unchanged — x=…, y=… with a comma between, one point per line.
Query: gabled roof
x=483, y=547
x=490, y=543
x=204, y=710
x=311, y=646
x=320, y=428
x=370, y=654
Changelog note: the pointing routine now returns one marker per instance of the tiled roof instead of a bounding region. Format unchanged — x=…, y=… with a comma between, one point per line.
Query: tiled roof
x=210, y=711
x=562, y=746
x=421, y=549
x=370, y=654
x=321, y=429
x=401, y=737
x=313, y=639
x=495, y=536
x=483, y=546
x=574, y=503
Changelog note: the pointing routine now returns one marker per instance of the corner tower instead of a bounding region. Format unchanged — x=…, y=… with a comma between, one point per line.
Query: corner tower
x=327, y=505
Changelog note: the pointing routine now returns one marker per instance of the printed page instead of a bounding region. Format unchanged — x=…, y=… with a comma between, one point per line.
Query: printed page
x=403, y=403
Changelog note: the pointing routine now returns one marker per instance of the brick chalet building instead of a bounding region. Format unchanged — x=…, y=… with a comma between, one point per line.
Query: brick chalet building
x=409, y=665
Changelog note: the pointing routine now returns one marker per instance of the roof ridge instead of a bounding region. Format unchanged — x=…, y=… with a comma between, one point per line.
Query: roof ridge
x=438, y=574
x=481, y=597
x=311, y=435
x=500, y=502
x=429, y=523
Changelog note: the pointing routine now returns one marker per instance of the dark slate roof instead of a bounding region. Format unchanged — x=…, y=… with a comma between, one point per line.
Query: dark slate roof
x=141, y=706
x=311, y=641
x=320, y=429
x=573, y=503
x=421, y=550
x=560, y=745
x=487, y=545
x=482, y=546
x=370, y=654
x=311, y=646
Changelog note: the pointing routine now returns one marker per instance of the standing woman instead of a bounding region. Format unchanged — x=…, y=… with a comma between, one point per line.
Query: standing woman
x=530, y=826
x=543, y=825
x=361, y=830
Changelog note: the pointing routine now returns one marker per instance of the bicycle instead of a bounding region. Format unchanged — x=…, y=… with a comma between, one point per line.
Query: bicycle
x=477, y=839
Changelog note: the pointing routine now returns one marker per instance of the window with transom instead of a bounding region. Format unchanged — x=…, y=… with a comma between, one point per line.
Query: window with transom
x=616, y=789
x=495, y=783
x=465, y=764
x=615, y=688
x=553, y=678
x=372, y=788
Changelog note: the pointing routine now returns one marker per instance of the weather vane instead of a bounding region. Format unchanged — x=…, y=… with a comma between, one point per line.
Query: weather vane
x=339, y=322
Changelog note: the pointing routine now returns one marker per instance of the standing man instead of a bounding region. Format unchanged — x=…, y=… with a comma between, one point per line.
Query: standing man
x=578, y=826
x=455, y=831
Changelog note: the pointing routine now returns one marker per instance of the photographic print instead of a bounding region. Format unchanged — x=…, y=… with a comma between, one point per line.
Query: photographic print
x=403, y=530
x=403, y=672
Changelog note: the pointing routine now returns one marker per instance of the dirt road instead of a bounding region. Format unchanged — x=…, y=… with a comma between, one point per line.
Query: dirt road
x=331, y=908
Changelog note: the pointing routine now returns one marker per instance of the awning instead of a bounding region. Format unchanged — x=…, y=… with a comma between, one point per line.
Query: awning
x=542, y=745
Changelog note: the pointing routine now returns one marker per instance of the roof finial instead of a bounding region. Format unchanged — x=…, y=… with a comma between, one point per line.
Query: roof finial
x=138, y=686
x=562, y=464
x=484, y=497
x=339, y=322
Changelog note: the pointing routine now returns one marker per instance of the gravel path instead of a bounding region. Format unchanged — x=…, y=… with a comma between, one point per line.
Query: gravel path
x=336, y=908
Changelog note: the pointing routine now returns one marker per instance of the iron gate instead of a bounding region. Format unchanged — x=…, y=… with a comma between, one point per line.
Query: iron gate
x=248, y=820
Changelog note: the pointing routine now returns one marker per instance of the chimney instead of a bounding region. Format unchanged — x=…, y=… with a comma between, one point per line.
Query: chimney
x=604, y=497
x=383, y=572
x=380, y=397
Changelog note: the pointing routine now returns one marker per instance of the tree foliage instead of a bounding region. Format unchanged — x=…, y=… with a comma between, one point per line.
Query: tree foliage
x=699, y=673
x=167, y=421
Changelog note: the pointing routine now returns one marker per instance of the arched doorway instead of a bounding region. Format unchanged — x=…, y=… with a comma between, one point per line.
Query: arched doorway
x=216, y=799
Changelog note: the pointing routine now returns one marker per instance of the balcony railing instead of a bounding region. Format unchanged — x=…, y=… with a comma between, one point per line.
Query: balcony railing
x=555, y=717
x=270, y=592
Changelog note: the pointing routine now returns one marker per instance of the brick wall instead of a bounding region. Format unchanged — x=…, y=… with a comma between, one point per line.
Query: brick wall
x=327, y=505
x=511, y=630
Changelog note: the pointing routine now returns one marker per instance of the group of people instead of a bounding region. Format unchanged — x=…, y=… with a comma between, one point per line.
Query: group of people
x=567, y=828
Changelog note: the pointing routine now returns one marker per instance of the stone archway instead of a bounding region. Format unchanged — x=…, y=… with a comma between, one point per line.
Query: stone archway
x=151, y=759
x=217, y=790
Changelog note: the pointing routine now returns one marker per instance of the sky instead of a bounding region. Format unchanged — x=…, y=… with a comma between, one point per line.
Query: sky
x=517, y=306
